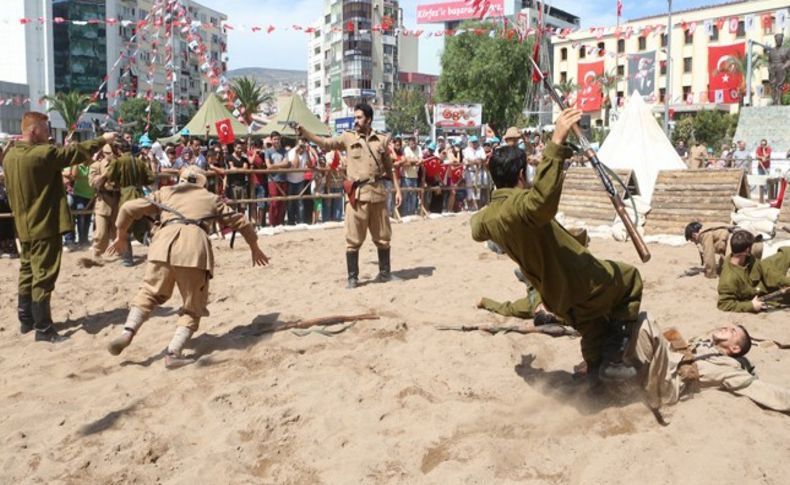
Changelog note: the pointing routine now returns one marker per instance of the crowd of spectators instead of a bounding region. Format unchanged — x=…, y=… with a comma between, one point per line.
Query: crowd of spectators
x=754, y=160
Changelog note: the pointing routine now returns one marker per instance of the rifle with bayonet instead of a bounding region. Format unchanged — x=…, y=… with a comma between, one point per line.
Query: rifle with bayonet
x=600, y=170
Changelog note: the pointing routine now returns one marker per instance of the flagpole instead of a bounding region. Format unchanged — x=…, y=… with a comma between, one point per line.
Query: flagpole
x=669, y=70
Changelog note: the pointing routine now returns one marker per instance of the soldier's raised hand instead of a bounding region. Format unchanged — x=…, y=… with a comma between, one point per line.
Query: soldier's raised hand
x=564, y=124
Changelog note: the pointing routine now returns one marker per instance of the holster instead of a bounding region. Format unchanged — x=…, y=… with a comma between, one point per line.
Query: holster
x=350, y=188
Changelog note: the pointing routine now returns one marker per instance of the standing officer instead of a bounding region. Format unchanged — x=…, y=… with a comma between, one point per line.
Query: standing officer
x=180, y=255
x=368, y=163
x=599, y=298
x=41, y=215
x=108, y=197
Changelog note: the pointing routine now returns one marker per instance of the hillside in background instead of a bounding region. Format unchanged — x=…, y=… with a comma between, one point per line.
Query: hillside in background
x=273, y=78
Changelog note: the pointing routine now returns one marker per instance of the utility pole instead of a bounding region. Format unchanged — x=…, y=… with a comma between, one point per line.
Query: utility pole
x=173, y=58
x=668, y=85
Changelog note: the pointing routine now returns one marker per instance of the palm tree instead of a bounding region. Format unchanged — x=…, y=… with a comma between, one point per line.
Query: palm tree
x=566, y=89
x=608, y=81
x=738, y=64
x=70, y=106
x=251, y=95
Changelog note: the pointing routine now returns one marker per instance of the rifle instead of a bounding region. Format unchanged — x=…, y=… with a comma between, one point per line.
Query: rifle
x=776, y=295
x=551, y=329
x=600, y=169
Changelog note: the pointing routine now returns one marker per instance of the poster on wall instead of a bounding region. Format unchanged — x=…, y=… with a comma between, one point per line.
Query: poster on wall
x=642, y=74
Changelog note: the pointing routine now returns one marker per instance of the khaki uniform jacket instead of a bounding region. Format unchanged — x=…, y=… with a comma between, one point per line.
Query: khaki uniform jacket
x=713, y=243
x=697, y=156
x=35, y=186
x=185, y=245
x=574, y=284
x=366, y=159
x=739, y=285
x=107, y=193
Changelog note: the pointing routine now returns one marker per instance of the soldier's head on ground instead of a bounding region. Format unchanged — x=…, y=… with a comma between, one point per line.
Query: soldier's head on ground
x=35, y=127
x=692, y=231
x=363, y=116
x=734, y=340
x=508, y=167
x=741, y=242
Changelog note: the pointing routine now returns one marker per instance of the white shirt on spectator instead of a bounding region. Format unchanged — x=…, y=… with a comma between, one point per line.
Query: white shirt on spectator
x=296, y=177
x=470, y=154
x=412, y=171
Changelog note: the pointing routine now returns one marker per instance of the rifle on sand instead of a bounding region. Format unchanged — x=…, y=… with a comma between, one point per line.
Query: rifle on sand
x=553, y=330
x=776, y=295
x=619, y=207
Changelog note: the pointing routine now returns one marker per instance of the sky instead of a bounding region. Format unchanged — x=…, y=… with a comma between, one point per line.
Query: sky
x=288, y=49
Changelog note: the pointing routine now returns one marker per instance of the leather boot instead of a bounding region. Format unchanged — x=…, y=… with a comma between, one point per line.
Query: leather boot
x=127, y=258
x=42, y=317
x=385, y=273
x=352, y=263
x=615, y=342
x=25, y=313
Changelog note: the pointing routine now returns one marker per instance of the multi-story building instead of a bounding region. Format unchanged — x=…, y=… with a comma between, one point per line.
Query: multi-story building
x=354, y=56
x=14, y=101
x=641, y=55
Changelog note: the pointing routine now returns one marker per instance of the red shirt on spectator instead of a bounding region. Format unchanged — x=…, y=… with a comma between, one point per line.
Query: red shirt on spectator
x=259, y=164
x=764, y=156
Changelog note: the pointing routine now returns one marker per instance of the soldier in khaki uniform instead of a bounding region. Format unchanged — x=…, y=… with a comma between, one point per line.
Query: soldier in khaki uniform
x=698, y=156
x=368, y=163
x=713, y=246
x=180, y=255
x=600, y=299
x=744, y=279
x=41, y=215
x=108, y=197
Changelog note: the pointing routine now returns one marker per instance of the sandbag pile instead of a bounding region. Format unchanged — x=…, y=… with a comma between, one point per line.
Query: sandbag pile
x=754, y=217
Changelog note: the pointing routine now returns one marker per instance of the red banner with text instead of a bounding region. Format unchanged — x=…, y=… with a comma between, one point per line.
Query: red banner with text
x=589, y=98
x=725, y=78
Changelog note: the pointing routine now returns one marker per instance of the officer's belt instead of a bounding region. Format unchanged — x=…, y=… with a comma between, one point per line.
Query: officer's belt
x=181, y=218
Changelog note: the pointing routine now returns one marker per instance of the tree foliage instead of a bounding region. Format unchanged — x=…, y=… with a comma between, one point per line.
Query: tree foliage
x=712, y=128
x=566, y=89
x=134, y=111
x=70, y=106
x=251, y=95
x=407, y=112
x=490, y=69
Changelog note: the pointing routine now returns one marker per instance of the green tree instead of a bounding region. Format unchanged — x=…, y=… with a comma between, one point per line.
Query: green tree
x=712, y=128
x=407, y=112
x=566, y=89
x=608, y=82
x=251, y=95
x=492, y=70
x=70, y=106
x=133, y=112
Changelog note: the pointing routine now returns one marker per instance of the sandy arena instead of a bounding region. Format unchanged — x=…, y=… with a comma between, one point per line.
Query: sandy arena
x=387, y=401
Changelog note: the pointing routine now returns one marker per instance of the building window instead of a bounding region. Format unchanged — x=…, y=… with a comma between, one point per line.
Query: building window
x=582, y=52
x=317, y=50
x=563, y=77
x=715, y=34
x=663, y=68
x=621, y=70
x=564, y=54
x=687, y=93
x=317, y=67
x=688, y=37
x=328, y=19
x=619, y=98
x=686, y=64
x=601, y=49
x=663, y=40
x=318, y=84
x=662, y=95
x=741, y=33
x=642, y=43
x=621, y=46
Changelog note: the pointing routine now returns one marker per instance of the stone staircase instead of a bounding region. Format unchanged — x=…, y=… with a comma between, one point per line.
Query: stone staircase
x=769, y=122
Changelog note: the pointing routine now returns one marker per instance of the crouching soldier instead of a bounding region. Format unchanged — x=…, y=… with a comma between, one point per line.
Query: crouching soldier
x=180, y=254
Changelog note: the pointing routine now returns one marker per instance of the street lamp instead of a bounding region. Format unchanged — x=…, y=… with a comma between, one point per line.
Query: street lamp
x=669, y=69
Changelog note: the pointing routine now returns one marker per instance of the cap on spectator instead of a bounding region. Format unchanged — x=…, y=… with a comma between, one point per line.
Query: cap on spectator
x=184, y=132
x=492, y=141
x=512, y=132
x=145, y=142
x=473, y=139
x=432, y=146
x=192, y=175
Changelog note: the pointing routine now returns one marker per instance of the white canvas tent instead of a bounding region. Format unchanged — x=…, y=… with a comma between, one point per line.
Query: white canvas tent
x=637, y=142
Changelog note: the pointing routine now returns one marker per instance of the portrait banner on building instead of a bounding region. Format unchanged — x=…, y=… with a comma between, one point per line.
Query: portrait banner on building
x=724, y=79
x=589, y=98
x=642, y=74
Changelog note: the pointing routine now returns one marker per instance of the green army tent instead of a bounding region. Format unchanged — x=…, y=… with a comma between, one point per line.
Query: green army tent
x=209, y=113
x=293, y=108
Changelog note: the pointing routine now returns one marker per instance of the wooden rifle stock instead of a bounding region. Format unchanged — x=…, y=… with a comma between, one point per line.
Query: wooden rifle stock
x=617, y=202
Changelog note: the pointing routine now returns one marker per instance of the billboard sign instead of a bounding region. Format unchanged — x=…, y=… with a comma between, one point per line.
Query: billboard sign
x=457, y=10
x=458, y=116
x=344, y=124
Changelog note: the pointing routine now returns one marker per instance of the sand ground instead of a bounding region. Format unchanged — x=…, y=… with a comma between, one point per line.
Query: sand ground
x=387, y=401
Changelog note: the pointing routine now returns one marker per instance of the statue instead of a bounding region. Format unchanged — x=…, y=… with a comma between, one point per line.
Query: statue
x=778, y=64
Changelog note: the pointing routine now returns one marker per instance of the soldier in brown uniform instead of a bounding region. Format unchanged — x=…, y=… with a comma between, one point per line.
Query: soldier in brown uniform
x=713, y=246
x=180, y=255
x=41, y=215
x=105, y=209
x=698, y=156
x=368, y=162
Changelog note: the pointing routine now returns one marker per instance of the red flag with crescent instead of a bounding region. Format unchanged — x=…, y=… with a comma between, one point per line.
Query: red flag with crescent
x=725, y=80
x=589, y=97
x=225, y=131
x=433, y=167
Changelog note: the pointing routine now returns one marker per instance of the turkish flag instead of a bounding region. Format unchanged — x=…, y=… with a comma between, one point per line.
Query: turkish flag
x=725, y=81
x=768, y=20
x=225, y=131
x=589, y=97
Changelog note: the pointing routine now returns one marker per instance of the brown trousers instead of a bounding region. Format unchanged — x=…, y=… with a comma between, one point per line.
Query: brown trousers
x=104, y=231
x=157, y=288
x=371, y=216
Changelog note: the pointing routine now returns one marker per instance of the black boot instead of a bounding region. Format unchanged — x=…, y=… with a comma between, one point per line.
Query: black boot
x=25, y=313
x=42, y=316
x=352, y=263
x=384, y=266
x=615, y=342
x=127, y=260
